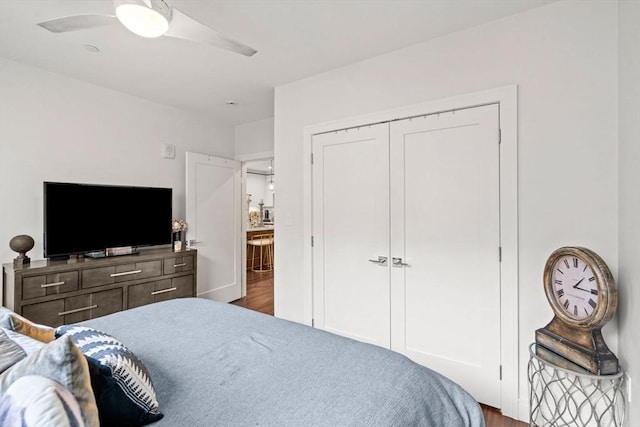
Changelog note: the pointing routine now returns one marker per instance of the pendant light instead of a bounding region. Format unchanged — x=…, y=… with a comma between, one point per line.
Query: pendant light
x=271, y=187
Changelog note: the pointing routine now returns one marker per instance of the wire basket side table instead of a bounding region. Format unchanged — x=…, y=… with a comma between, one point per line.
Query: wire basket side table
x=563, y=398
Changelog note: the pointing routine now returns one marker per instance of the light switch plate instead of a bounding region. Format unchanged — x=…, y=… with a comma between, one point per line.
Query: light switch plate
x=168, y=151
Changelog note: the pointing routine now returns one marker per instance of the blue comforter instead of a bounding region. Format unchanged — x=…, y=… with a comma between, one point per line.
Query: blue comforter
x=216, y=364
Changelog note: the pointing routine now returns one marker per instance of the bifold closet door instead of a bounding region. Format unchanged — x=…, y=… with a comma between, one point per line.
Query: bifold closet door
x=445, y=226
x=351, y=232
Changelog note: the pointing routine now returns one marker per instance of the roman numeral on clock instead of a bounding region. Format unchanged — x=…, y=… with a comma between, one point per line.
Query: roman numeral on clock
x=560, y=292
x=566, y=304
x=575, y=310
x=592, y=278
x=567, y=263
x=575, y=262
x=592, y=303
x=558, y=282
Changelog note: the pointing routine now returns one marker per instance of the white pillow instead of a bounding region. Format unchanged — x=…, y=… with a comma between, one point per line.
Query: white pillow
x=61, y=361
x=36, y=401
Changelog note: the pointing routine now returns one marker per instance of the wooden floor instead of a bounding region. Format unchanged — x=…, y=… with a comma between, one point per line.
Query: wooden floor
x=259, y=292
x=260, y=298
x=493, y=418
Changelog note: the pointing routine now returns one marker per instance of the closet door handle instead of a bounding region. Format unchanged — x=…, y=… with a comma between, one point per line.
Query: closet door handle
x=397, y=262
x=182, y=264
x=382, y=260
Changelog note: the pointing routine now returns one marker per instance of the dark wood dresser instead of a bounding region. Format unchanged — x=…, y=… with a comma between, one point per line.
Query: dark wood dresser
x=61, y=292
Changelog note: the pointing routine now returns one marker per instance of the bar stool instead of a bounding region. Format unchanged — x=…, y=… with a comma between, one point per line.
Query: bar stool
x=263, y=242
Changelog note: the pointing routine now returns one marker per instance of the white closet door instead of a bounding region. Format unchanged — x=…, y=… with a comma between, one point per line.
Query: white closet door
x=351, y=227
x=445, y=311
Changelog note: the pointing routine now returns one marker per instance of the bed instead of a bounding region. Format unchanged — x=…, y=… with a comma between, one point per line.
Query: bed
x=219, y=364
x=195, y=362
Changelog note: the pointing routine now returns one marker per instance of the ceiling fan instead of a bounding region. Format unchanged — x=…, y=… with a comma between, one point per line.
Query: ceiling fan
x=150, y=18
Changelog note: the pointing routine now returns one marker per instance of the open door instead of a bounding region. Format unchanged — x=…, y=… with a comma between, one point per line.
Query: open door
x=213, y=188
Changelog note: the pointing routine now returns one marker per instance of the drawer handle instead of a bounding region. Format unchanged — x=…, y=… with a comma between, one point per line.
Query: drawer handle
x=162, y=291
x=125, y=273
x=49, y=285
x=77, y=310
x=182, y=264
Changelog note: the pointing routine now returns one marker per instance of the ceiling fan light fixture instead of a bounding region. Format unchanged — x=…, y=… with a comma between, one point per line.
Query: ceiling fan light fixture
x=146, y=18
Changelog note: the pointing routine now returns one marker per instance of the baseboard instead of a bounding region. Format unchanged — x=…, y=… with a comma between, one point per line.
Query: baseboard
x=523, y=409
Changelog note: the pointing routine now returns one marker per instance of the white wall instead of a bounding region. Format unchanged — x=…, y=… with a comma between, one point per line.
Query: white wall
x=254, y=138
x=629, y=193
x=563, y=57
x=59, y=129
x=257, y=187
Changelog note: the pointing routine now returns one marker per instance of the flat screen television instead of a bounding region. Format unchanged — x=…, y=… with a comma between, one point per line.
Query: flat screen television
x=88, y=219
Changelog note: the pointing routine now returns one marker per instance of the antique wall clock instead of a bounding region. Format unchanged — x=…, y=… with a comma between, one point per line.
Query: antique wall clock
x=583, y=296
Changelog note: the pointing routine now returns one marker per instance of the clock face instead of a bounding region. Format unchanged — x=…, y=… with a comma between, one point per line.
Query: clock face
x=574, y=287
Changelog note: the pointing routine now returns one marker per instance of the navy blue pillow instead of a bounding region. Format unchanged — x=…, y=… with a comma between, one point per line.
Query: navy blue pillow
x=121, y=383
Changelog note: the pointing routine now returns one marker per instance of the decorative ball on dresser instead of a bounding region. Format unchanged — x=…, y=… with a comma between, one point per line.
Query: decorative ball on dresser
x=21, y=244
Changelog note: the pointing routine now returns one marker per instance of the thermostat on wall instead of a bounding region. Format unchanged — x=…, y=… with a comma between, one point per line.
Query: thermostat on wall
x=168, y=151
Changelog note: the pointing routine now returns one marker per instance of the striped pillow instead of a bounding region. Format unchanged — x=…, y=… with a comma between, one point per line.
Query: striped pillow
x=133, y=401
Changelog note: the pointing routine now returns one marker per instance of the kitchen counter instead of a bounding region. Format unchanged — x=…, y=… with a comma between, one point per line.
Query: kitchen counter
x=263, y=228
x=253, y=254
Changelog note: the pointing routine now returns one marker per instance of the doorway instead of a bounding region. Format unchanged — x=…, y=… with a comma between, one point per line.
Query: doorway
x=258, y=218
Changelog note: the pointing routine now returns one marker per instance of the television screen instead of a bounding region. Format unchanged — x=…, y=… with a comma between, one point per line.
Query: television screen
x=82, y=218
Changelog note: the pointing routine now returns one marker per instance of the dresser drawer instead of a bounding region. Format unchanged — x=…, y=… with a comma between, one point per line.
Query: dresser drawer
x=161, y=290
x=139, y=270
x=93, y=277
x=178, y=264
x=183, y=288
x=49, y=284
x=74, y=309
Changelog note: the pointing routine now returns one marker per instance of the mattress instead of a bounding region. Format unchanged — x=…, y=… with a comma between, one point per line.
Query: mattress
x=215, y=364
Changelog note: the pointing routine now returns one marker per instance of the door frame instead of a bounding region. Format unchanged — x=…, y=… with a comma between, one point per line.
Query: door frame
x=507, y=98
x=243, y=159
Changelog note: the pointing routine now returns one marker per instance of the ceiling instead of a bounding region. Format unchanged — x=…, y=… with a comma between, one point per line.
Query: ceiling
x=294, y=39
x=264, y=167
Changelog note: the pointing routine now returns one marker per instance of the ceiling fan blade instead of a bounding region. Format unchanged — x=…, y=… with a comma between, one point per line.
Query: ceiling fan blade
x=77, y=22
x=187, y=28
